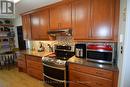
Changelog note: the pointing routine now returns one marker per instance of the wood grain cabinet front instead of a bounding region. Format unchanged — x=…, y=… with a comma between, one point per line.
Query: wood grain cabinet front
x=22, y=63
x=40, y=25
x=26, y=26
x=34, y=66
x=95, y=20
x=60, y=16
x=91, y=77
x=89, y=80
x=103, y=16
x=81, y=19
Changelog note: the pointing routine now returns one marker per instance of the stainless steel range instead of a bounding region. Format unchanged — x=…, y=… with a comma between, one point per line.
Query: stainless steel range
x=54, y=66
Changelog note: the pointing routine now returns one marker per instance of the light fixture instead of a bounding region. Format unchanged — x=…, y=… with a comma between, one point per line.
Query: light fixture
x=15, y=1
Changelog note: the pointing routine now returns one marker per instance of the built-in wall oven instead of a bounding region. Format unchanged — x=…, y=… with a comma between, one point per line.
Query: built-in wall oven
x=54, y=66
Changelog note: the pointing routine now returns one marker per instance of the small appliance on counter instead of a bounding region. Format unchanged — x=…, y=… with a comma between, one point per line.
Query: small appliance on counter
x=101, y=53
x=80, y=50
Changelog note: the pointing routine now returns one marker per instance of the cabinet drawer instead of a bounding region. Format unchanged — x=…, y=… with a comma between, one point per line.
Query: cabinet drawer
x=34, y=64
x=93, y=71
x=89, y=80
x=21, y=57
x=35, y=73
x=77, y=85
x=33, y=58
x=21, y=64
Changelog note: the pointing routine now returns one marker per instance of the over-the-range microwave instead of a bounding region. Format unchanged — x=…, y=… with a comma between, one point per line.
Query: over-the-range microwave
x=101, y=53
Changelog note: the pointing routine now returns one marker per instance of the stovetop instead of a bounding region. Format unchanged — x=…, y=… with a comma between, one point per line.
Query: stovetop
x=54, y=60
x=61, y=55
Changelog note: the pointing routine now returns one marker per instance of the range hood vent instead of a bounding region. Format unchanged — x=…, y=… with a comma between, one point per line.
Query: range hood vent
x=60, y=32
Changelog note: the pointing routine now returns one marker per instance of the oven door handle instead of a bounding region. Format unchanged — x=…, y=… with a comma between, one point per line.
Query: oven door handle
x=54, y=79
x=53, y=67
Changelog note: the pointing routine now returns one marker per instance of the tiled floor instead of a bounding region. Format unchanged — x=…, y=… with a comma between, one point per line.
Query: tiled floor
x=13, y=78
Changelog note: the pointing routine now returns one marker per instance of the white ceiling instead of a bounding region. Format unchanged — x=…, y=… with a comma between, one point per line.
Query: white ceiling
x=27, y=5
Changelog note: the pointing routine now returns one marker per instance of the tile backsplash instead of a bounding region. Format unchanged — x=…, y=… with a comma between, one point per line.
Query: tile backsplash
x=62, y=40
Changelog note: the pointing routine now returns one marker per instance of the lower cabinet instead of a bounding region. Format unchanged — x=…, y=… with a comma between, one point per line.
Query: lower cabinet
x=83, y=76
x=34, y=66
x=31, y=65
x=21, y=63
x=77, y=85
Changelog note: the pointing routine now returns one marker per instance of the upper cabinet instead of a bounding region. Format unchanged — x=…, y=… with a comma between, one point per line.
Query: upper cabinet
x=35, y=25
x=102, y=19
x=26, y=26
x=81, y=19
x=90, y=20
x=44, y=24
x=40, y=25
x=60, y=16
x=94, y=20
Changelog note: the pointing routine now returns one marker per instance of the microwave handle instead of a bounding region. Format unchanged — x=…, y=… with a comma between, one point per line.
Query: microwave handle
x=98, y=50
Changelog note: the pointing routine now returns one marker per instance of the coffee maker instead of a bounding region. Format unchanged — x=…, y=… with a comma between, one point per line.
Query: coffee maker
x=80, y=50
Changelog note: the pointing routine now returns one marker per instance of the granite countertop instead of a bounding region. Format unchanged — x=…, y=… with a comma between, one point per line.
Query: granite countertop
x=92, y=64
x=35, y=53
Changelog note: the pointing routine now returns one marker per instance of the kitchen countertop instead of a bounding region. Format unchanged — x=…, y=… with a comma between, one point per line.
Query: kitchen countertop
x=92, y=64
x=72, y=60
x=35, y=53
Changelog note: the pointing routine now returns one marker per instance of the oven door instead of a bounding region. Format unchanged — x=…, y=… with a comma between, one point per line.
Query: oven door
x=54, y=76
x=100, y=56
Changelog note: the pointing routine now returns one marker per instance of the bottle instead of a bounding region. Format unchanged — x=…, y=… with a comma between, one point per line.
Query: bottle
x=41, y=48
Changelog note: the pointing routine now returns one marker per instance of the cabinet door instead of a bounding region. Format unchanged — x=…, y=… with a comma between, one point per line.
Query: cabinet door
x=44, y=25
x=60, y=16
x=54, y=17
x=65, y=16
x=34, y=66
x=26, y=26
x=21, y=62
x=81, y=19
x=35, y=23
x=102, y=19
x=88, y=79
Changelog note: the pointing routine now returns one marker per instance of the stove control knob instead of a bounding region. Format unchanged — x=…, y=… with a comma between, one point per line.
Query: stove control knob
x=60, y=62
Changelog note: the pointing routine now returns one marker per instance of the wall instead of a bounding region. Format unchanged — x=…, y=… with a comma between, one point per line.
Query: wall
x=17, y=22
x=123, y=62
x=122, y=25
x=125, y=76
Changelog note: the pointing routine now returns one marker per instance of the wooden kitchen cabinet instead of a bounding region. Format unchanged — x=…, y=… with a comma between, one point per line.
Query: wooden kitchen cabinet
x=26, y=26
x=34, y=66
x=44, y=24
x=22, y=63
x=60, y=16
x=85, y=76
x=90, y=20
x=81, y=19
x=94, y=19
x=102, y=12
x=40, y=25
x=35, y=24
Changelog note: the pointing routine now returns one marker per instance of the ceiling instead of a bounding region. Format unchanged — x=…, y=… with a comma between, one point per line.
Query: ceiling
x=27, y=5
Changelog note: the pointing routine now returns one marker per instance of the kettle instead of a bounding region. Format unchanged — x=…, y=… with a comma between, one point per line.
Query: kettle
x=80, y=50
